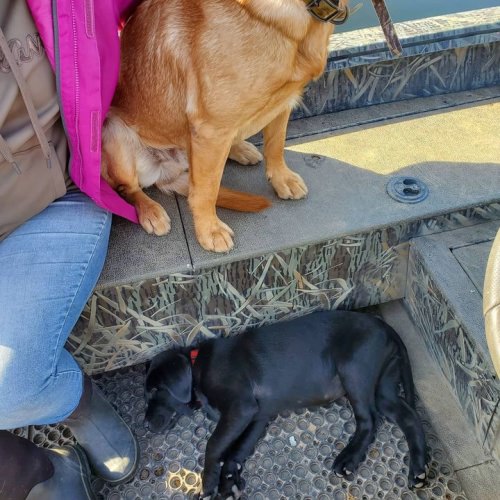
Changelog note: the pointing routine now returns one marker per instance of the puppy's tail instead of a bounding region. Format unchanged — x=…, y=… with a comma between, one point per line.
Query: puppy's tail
x=241, y=202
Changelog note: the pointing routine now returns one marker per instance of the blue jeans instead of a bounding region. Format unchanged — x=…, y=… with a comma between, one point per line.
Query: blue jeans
x=48, y=269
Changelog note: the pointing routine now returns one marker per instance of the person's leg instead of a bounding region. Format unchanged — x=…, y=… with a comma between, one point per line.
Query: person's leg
x=48, y=269
x=28, y=472
x=15, y=453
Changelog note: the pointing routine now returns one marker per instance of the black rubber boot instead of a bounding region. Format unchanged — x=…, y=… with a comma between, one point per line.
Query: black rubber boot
x=109, y=444
x=22, y=466
x=30, y=472
x=71, y=478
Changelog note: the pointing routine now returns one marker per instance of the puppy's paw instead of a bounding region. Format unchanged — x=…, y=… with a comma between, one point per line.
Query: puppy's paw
x=153, y=218
x=231, y=483
x=245, y=153
x=214, y=236
x=344, y=467
x=288, y=185
x=235, y=494
x=206, y=496
x=417, y=480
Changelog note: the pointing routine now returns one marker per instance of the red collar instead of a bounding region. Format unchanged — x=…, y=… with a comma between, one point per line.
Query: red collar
x=193, y=354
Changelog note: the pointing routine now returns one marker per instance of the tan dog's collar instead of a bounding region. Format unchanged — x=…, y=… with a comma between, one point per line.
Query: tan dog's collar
x=327, y=11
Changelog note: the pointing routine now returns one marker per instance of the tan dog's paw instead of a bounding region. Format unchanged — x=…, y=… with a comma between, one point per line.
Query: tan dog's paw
x=215, y=236
x=245, y=153
x=154, y=219
x=288, y=185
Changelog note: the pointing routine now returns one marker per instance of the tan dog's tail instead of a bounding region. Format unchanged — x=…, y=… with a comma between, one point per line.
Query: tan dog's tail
x=241, y=202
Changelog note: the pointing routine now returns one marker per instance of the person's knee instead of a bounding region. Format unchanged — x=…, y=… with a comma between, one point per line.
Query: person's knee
x=22, y=375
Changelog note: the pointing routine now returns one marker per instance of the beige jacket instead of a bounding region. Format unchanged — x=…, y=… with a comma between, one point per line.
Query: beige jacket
x=33, y=150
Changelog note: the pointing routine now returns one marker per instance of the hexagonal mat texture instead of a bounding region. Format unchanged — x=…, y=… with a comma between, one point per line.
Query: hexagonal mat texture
x=293, y=461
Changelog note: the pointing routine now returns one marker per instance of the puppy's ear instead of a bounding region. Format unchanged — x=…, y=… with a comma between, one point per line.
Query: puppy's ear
x=174, y=375
x=179, y=381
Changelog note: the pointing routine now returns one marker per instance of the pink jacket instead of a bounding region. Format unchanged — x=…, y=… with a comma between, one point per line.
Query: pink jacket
x=85, y=55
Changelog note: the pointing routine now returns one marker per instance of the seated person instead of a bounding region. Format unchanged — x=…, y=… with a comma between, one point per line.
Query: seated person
x=53, y=242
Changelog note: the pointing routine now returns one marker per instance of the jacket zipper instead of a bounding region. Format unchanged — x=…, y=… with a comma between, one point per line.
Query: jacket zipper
x=57, y=62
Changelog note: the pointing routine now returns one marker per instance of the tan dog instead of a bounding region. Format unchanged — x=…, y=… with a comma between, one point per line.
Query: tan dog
x=197, y=78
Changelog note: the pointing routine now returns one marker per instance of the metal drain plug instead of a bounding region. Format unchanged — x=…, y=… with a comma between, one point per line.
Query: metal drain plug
x=407, y=189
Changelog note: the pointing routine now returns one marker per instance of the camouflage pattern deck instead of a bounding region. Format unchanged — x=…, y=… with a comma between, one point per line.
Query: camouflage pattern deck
x=129, y=323
x=453, y=330
x=442, y=54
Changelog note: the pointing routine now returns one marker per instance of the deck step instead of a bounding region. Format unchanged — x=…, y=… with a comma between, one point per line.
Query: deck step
x=444, y=294
x=345, y=245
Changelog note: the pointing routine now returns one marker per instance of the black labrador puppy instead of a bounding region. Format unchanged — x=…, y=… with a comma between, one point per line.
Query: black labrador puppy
x=310, y=361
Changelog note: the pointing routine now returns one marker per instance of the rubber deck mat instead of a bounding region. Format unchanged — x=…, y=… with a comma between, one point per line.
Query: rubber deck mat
x=293, y=461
